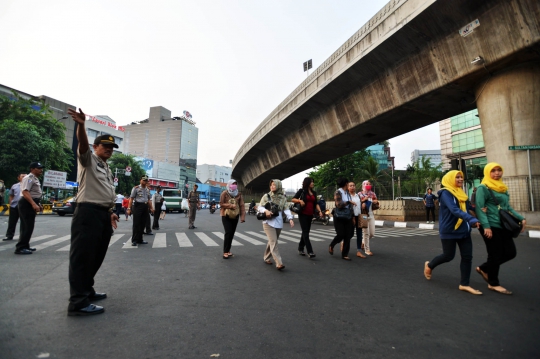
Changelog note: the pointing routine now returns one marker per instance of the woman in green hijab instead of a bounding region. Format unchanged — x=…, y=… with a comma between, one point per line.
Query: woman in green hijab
x=273, y=224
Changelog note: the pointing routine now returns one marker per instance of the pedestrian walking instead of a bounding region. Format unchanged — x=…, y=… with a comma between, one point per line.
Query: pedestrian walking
x=274, y=206
x=163, y=210
x=356, y=219
x=232, y=209
x=139, y=205
x=194, y=205
x=118, y=204
x=29, y=205
x=14, y=196
x=93, y=221
x=157, y=200
x=490, y=195
x=368, y=198
x=307, y=198
x=429, y=202
x=455, y=224
x=2, y=192
x=125, y=205
x=342, y=224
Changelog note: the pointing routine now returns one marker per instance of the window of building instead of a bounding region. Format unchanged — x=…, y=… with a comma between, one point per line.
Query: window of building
x=465, y=120
x=92, y=133
x=467, y=141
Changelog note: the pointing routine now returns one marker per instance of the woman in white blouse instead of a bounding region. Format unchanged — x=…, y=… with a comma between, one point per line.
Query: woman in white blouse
x=273, y=224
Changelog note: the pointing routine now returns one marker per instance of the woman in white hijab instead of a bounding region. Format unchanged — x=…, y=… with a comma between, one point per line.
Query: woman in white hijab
x=273, y=224
x=231, y=209
x=367, y=198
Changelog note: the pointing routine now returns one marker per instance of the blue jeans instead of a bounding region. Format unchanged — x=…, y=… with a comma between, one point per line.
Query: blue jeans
x=449, y=251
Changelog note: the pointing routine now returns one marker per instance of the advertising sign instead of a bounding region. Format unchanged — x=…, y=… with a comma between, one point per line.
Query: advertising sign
x=55, y=179
x=105, y=123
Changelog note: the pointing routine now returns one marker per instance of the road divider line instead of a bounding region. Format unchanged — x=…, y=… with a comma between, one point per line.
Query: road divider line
x=115, y=238
x=183, y=240
x=160, y=240
x=249, y=239
x=206, y=240
x=53, y=242
x=221, y=236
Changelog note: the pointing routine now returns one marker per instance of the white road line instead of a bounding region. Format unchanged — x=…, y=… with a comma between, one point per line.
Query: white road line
x=221, y=236
x=183, y=240
x=53, y=242
x=32, y=241
x=249, y=239
x=400, y=224
x=206, y=240
x=314, y=236
x=289, y=238
x=127, y=245
x=160, y=240
x=262, y=236
x=114, y=238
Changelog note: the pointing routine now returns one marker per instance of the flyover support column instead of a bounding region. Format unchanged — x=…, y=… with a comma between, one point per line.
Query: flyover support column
x=509, y=110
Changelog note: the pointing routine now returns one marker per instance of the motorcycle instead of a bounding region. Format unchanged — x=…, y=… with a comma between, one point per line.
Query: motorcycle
x=325, y=219
x=212, y=208
x=251, y=210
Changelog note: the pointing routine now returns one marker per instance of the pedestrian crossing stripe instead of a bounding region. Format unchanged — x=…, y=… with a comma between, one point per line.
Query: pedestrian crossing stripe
x=215, y=239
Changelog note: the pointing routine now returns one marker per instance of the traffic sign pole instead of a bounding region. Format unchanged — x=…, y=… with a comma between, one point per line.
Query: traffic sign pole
x=528, y=148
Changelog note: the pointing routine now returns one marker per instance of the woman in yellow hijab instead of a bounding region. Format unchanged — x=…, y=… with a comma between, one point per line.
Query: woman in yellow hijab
x=455, y=226
x=499, y=242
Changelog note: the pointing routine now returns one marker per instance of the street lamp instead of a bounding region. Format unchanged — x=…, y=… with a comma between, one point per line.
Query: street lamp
x=391, y=164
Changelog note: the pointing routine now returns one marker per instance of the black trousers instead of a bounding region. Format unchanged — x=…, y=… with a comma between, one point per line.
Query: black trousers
x=118, y=209
x=28, y=219
x=229, y=226
x=157, y=212
x=12, y=223
x=305, y=224
x=432, y=210
x=91, y=232
x=148, y=221
x=501, y=248
x=344, y=232
x=140, y=220
x=449, y=251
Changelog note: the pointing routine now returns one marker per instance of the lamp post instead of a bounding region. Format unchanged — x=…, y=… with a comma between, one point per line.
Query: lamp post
x=391, y=164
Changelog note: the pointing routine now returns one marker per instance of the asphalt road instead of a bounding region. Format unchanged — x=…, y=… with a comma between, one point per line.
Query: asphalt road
x=171, y=300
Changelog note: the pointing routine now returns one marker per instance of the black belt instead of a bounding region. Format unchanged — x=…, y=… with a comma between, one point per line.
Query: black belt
x=139, y=203
x=93, y=206
x=37, y=200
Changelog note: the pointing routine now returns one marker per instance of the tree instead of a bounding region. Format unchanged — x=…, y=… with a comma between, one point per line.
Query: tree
x=349, y=166
x=29, y=132
x=126, y=183
x=371, y=172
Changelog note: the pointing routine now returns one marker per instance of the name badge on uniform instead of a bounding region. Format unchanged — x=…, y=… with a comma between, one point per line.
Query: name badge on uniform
x=100, y=165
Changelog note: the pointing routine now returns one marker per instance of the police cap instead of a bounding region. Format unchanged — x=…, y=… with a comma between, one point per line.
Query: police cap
x=105, y=140
x=36, y=165
x=144, y=178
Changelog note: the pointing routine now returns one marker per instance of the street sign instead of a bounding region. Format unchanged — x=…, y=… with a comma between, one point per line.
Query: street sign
x=115, y=180
x=116, y=184
x=55, y=179
x=527, y=147
x=128, y=169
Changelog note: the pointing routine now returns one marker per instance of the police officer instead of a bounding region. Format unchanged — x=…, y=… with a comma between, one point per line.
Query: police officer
x=93, y=220
x=157, y=201
x=29, y=205
x=139, y=205
x=194, y=204
x=14, y=196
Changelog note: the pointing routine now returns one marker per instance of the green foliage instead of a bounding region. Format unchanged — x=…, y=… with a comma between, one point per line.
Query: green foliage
x=421, y=175
x=370, y=171
x=126, y=183
x=29, y=135
x=349, y=166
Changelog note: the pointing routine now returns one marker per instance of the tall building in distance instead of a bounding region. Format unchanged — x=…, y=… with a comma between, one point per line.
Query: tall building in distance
x=167, y=146
x=381, y=154
x=433, y=155
x=216, y=173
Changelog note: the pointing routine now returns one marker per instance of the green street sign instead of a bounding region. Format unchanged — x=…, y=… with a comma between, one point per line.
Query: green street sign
x=528, y=147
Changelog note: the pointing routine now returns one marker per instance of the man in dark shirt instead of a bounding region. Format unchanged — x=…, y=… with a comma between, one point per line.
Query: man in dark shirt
x=429, y=202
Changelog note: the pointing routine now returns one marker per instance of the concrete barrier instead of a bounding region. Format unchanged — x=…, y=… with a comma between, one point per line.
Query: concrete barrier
x=47, y=209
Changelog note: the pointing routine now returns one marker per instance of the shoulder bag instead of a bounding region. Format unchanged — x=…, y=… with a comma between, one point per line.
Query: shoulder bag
x=297, y=207
x=270, y=206
x=232, y=213
x=508, y=221
x=343, y=214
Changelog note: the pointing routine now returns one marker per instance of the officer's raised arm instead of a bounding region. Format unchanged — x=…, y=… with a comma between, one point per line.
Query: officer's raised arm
x=80, y=118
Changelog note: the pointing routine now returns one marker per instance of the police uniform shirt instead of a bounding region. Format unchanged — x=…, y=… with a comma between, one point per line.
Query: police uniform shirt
x=193, y=197
x=31, y=184
x=96, y=184
x=156, y=200
x=15, y=191
x=140, y=194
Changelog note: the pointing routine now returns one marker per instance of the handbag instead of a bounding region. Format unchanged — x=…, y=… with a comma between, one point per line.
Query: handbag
x=375, y=206
x=232, y=213
x=508, y=221
x=270, y=206
x=297, y=207
x=363, y=219
x=343, y=214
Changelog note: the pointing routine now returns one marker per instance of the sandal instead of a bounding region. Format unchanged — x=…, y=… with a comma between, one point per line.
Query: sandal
x=225, y=256
x=230, y=254
x=268, y=262
x=503, y=291
x=369, y=253
x=331, y=250
x=346, y=258
x=483, y=274
x=280, y=267
x=359, y=254
x=469, y=289
x=426, y=274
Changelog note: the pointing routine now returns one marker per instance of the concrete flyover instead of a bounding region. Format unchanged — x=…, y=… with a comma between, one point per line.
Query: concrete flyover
x=408, y=67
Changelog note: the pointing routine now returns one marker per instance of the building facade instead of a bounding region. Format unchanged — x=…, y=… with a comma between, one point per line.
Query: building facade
x=217, y=173
x=381, y=154
x=433, y=155
x=169, y=142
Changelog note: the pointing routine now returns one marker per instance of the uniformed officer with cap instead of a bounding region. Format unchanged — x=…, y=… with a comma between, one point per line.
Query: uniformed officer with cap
x=29, y=206
x=139, y=205
x=93, y=220
x=194, y=205
x=157, y=201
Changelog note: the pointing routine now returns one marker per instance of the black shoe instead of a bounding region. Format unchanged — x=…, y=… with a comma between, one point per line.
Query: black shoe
x=31, y=249
x=90, y=310
x=149, y=234
x=312, y=255
x=302, y=253
x=193, y=227
x=134, y=244
x=23, y=251
x=143, y=242
x=7, y=239
x=98, y=296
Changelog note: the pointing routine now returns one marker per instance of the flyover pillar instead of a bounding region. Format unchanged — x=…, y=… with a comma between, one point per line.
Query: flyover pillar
x=509, y=110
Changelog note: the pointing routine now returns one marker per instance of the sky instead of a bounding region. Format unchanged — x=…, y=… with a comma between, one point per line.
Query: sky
x=229, y=63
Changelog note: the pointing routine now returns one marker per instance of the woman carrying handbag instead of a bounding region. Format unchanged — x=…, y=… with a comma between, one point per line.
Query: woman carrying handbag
x=500, y=245
x=307, y=198
x=343, y=219
x=231, y=209
x=369, y=201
